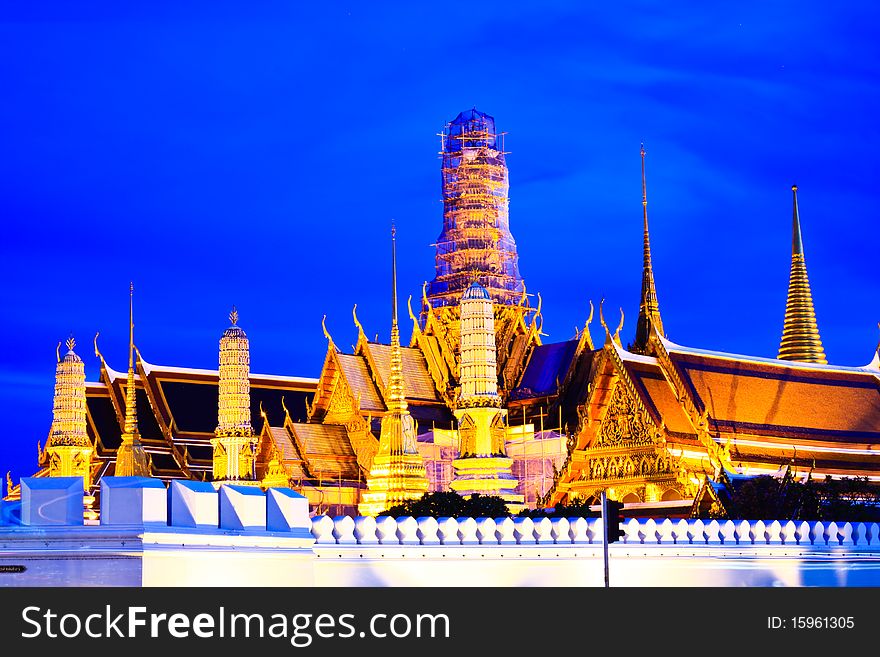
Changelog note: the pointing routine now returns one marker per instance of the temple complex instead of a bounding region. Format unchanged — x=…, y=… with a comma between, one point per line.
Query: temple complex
x=475, y=402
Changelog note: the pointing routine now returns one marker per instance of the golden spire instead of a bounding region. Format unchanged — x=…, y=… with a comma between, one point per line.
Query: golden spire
x=234, y=442
x=649, y=309
x=68, y=450
x=394, y=392
x=398, y=471
x=130, y=391
x=69, y=404
x=233, y=384
x=131, y=459
x=800, y=333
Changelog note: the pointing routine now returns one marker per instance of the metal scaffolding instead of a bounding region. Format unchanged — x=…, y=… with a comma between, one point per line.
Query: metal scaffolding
x=476, y=243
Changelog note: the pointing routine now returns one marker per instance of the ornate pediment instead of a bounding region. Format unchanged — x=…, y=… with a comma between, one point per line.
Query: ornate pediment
x=626, y=423
x=342, y=406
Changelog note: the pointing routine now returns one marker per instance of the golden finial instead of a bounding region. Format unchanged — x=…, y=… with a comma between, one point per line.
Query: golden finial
x=537, y=316
x=58, y=352
x=394, y=389
x=233, y=316
x=130, y=439
x=649, y=309
x=98, y=351
x=71, y=343
x=412, y=315
x=524, y=298
x=357, y=322
x=263, y=413
x=619, y=326
x=131, y=326
x=324, y=328
x=284, y=407
x=602, y=320
x=9, y=483
x=585, y=339
x=393, y=274
x=797, y=241
x=425, y=302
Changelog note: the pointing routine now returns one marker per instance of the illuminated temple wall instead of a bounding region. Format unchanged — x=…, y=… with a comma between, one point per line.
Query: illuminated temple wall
x=534, y=459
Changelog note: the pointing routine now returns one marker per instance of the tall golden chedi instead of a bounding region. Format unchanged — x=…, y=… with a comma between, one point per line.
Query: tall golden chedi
x=68, y=451
x=482, y=465
x=234, y=444
x=800, y=333
x=397, y=473
x=131, y=458
x=476, y=242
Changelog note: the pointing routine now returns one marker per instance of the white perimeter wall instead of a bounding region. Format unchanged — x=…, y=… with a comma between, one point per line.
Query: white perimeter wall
x=467, y=552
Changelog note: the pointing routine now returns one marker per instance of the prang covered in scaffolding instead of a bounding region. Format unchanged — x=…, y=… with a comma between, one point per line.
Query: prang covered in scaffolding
x=476, y=243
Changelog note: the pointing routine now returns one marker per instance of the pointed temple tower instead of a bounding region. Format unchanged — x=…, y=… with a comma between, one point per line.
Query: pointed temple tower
x=482, y=465
x=397, y=473
x=476, y=243
x=234, y=443
x=800, y=333
x=131, y=459
x=649, y=309
x=68, y=451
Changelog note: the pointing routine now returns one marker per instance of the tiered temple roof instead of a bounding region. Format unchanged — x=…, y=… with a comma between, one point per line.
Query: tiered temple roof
x=177, y=414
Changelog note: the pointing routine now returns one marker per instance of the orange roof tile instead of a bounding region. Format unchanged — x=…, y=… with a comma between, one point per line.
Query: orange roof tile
x=756, y=397
x=327, y=450
x=658, y=396
x=417, y=379
x=355, y=370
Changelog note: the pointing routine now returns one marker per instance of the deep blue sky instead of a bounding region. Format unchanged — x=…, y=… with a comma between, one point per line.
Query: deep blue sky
x=219, y=155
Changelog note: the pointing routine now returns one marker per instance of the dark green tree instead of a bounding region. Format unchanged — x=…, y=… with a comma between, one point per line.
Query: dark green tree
x=575, y=509
x=451, y=505
x=768, y=498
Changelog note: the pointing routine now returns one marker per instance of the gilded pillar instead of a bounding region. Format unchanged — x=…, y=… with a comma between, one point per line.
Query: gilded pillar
x=482, y=465
x=68, y=452
x=235, y=445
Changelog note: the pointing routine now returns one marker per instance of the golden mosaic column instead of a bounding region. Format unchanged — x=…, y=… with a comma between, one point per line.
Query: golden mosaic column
x=482, y=465
x=235, y=444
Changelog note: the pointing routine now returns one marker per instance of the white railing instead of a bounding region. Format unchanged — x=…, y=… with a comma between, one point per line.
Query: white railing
x=384, y=530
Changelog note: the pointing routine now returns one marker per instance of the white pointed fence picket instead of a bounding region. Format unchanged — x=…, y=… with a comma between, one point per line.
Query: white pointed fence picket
x=384, y=530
